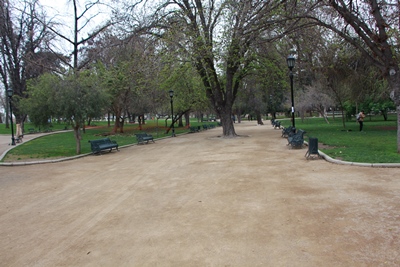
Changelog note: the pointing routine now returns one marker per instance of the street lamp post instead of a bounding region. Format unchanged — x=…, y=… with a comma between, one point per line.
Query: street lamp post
x=10, y=93
x=171, y=95
x=290, y=62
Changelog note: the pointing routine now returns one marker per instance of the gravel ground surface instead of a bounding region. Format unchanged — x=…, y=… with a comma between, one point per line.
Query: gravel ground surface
x=200, y=200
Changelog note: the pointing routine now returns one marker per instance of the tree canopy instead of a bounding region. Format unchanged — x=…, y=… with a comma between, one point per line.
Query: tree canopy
x=230, y=52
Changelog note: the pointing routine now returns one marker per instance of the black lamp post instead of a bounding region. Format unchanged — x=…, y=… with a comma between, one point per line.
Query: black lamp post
x=10, y=93
x=290, y=62
x=171, y=95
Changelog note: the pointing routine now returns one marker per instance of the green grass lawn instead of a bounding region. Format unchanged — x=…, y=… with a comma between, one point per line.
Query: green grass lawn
x=54, y=127
x=377, y=144
x=62, y=144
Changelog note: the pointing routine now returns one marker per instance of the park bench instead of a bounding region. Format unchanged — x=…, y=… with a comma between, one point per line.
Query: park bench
x=102, y=144
x=205, y=127
x=31, y=130
x=194, y=129
x=296, y=140
x=276, y=124
x=286, y=131
x=144, y=137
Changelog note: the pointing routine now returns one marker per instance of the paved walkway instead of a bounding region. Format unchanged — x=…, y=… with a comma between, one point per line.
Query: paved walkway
x=199, y=200
x=5, y=142
x=5, y=146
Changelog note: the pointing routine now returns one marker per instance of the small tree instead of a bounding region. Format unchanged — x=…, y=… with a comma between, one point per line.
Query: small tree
x=78, y=96
x=72, y=98
x=40, y=106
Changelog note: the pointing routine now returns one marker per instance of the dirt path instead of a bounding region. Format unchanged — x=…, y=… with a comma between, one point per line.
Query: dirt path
x=198, y=200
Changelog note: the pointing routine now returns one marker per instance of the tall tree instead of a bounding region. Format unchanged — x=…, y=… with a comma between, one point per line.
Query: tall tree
x=266, y=83
x=218, y=35
x=82, y=16
x=372, y=27
x=22, y=39
x=316, y=97
x=129, y=69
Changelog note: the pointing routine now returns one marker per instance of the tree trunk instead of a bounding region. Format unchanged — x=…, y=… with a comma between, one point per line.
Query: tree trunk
x=394, y=83
x=385, y=115
x=343, y=118
x=187, y=119
x=323, y=114
x=239, y=116
x=143, y=120
x=121, y=125
x=140, y=122
x=228, y=130
x=180, y=122
x=77, y=135
x=117, y=122
x=259, y=118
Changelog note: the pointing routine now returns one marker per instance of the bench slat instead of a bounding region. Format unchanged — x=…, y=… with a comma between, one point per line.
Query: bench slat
x=102, y=144
x=144, y=137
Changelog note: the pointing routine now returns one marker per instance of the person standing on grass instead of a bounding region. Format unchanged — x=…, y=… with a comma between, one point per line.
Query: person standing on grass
x=360, y=119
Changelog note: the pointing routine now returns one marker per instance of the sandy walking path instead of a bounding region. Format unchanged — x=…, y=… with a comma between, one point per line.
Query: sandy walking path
x=198, y=200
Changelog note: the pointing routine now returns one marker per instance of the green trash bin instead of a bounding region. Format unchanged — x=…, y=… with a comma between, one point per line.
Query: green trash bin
x=312, y=147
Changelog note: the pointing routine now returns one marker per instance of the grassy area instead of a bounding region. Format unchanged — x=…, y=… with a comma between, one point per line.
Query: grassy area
x=63, y=144
x=376, y=144
x=55, y=127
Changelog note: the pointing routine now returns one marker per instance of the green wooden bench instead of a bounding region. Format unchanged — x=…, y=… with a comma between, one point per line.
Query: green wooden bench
x=287, y=131
x=102, y=144
x=144, y=137
x=297, y=140
x=194, y=129
x=276, y=124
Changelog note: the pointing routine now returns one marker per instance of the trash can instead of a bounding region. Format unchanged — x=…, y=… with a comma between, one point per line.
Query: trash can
x=312, y=147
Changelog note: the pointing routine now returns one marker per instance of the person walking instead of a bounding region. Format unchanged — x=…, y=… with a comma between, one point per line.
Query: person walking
x=360, y=119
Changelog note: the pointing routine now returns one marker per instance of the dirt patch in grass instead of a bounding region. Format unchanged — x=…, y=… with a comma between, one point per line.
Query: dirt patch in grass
x=324, y=146
x=386, y=128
